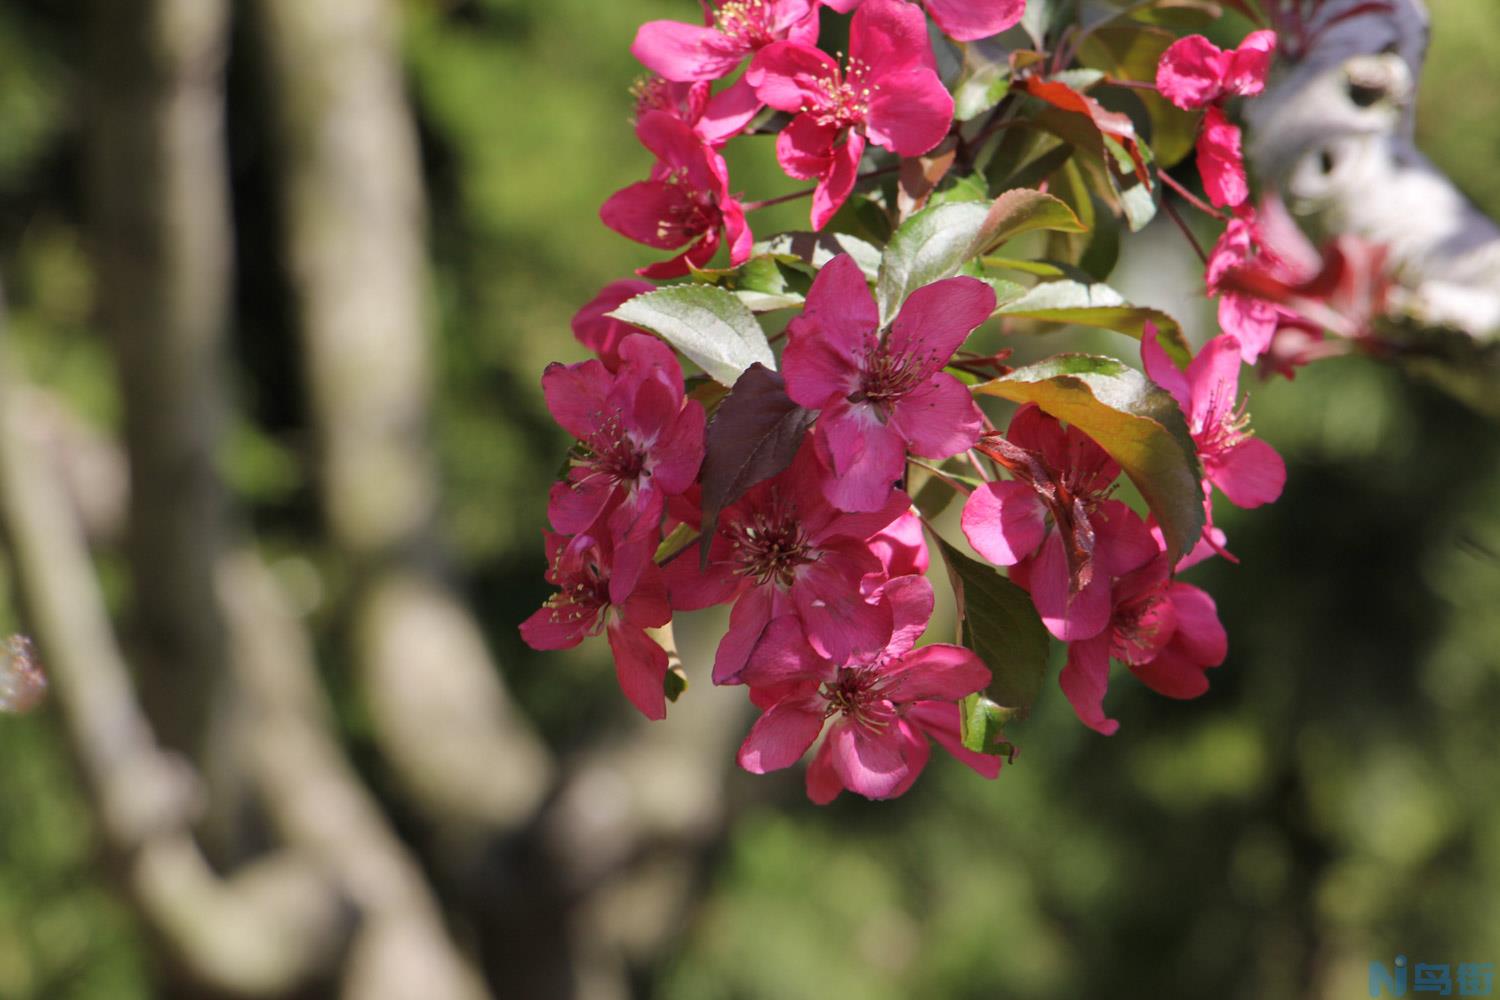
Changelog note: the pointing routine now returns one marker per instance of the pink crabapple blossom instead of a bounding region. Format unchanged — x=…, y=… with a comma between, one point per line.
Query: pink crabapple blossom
x=686, y=203
x=1194, y=72
x=1246, y=469
x=732, y=30
x=1251, y=320
x=882, y=397
x=1167, y=632
x=714, y=118
x=887, y=93
x=882, y=705
x=783, y=549
x=1054, y=522
x=961, y=20
x=597, y=331
x=614, y=588
x=640, y=440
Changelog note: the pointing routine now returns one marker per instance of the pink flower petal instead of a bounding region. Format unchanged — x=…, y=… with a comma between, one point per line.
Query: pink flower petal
x=1122, y=541
x=938, y=418
x=805, y=148
x=1085, y=679
x=968, y=20
x=782, y=655
x=1069, y=616
x=823, y=781
x=939, y=672
x=834, y=185
x=781, y=736
x=889, y=37
x=554, y=628
x=1253, y=321
x=790, y=76
x=1220, y=161
x=577, y=396
x=636, y=212
x=685, y=52
x=901, y=547
x=911, y=112
x=871, y=764
x=747, y=623
x=865, y=457
x=1214, y=375
x=1189, y=72
x=827, y=343
x=1162, y=370
x=1250, y=64
x=728, y=112
x=840, y=624
x=641, y=667
x=1250, y=473
x=936, y=319
x=1200, y=634
x=911, y=601
x=1004, y=521
x=917, y=751
x=598, y=332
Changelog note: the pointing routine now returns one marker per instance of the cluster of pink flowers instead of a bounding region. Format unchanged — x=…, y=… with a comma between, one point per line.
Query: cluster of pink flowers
x=886, y=92
x=822, y=560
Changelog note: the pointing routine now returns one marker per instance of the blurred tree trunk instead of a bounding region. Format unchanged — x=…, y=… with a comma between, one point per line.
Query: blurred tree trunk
x=158, y=189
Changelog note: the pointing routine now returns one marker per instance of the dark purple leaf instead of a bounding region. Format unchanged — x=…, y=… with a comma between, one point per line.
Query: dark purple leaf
x=754, y=435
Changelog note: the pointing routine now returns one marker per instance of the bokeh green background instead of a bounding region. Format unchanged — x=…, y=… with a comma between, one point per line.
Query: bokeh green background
x=1331, y=801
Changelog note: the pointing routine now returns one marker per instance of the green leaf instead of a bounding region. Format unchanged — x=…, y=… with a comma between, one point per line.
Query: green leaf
x=986, y=79
x=713, y=328
x=1132, y=52
x=812, y=250
x=1131, y=418
x=981, y=727
x=1099, y=306
x=679, y=539
x=938, y=241
x=999, y=623
x=762, y=302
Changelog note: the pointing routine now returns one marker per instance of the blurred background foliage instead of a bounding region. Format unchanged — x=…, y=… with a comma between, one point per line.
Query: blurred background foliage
x=1329, y=802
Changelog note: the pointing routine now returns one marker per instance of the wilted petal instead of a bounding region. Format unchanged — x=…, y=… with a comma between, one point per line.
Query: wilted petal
x=1068, y=615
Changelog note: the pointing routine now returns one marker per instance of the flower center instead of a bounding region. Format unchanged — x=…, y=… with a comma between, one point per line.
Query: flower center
x=1137, y=628
x=843, y=98
x=886, y=377
x=583, y=593
x=747, y=22
x=857, y=693
x=770, y=547
x=1224, y=427
x=613, y=453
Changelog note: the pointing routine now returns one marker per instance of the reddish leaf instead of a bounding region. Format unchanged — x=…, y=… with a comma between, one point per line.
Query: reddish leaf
x=1115, y=124
x=755, y=435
